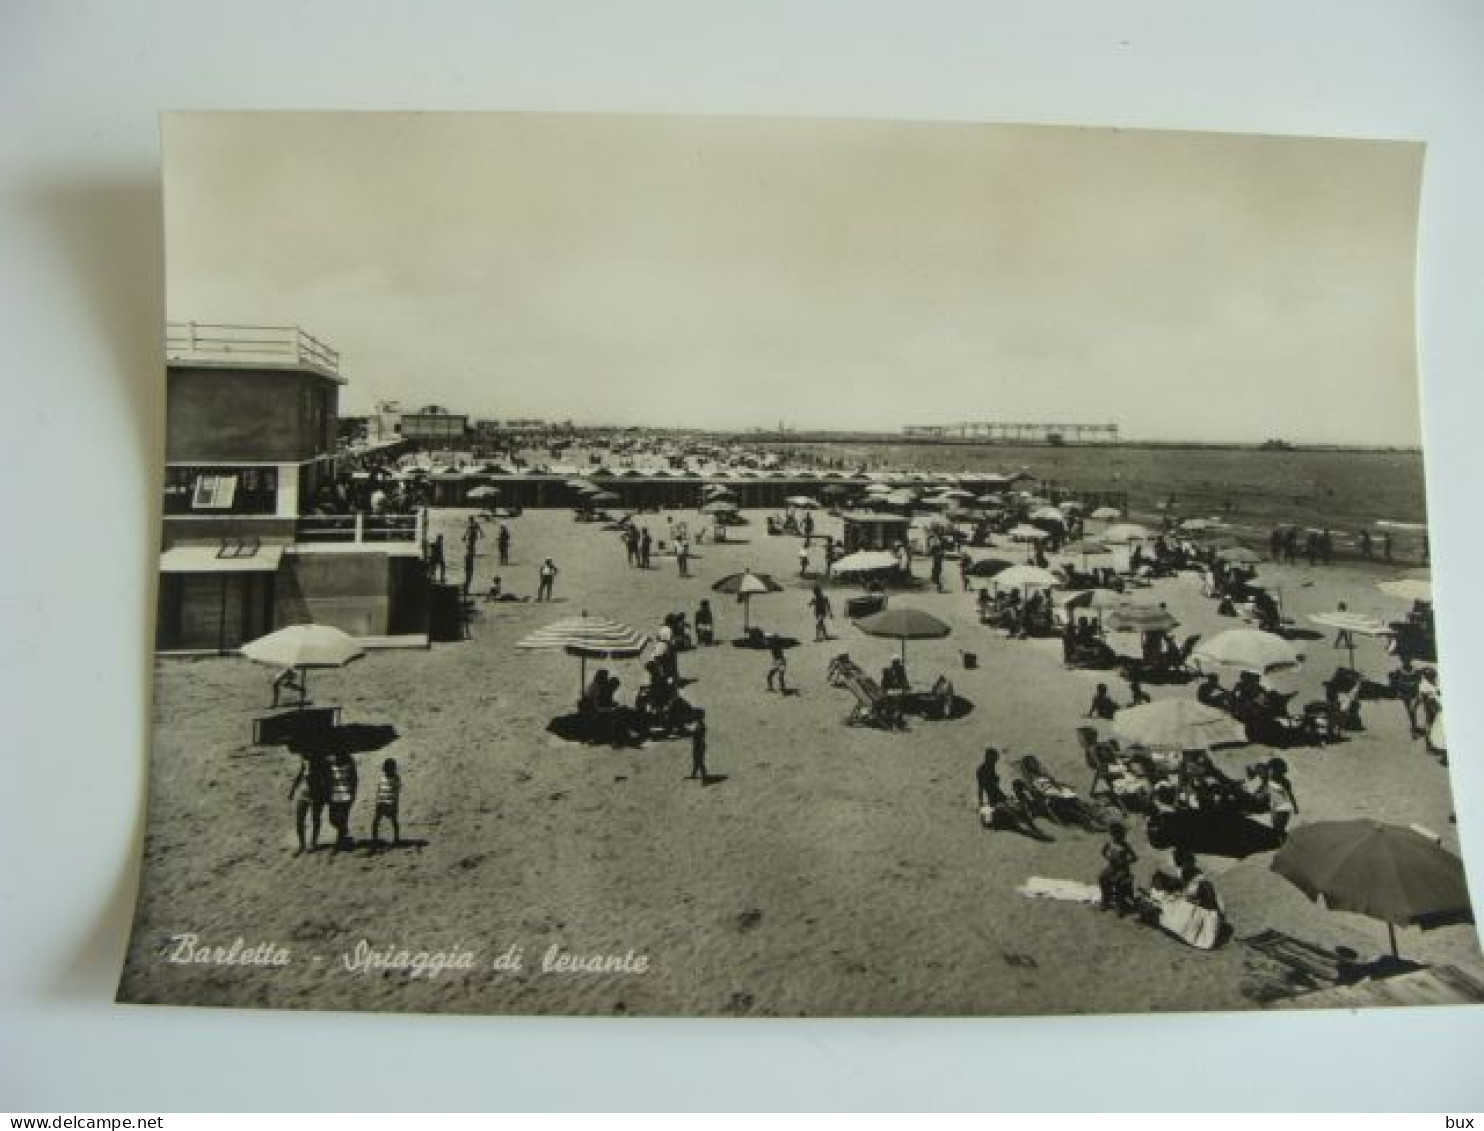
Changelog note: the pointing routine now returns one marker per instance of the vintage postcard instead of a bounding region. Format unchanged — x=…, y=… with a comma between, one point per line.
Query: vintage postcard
x=736, y=567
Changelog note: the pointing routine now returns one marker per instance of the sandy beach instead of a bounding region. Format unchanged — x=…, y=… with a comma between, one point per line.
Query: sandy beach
x=826, y=870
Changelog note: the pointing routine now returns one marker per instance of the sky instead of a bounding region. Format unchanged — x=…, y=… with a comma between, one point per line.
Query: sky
x=731, y=273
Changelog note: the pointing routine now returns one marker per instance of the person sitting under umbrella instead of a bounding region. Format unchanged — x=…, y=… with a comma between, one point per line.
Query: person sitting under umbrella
x=894, y=678
x=940, y=698
x=1211, y=694
x=1103, y=706
x=289, y=681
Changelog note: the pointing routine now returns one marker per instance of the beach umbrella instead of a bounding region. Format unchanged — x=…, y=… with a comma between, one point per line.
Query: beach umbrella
x=1407, y=588
x=834, y=490
x=1133, y=617
x=878, y=489
x=719, y=506
x=1124, y=532
x=903, y=624
x=1106, y=513
x=1178, y=724
x=1086, y=548
x=1024, y=533
x=484, y=492
x=1382, y=871
x=745, y=586
x=1239, y=555
x=1246, y=649
x=602, y=498
x=1026, y=577
x=865, y=561
x=301, y=647
x=903, y=498
x=989, y=567
x=1348, y=624
x=955, y=493
x=802, y=501
x=718, y=491
x=589, y=638
x=1048, y=514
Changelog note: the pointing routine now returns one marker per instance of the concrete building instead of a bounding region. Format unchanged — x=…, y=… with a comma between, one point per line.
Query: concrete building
x=250, y=439
x=435, y=427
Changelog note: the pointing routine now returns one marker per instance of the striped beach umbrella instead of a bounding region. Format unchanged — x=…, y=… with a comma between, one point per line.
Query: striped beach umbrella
x=588, y=638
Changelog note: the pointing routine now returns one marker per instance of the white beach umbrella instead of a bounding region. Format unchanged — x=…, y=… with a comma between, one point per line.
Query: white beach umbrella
x=1025, y=577
x=1125, y=532
x=1246, y=649
x=304, y=646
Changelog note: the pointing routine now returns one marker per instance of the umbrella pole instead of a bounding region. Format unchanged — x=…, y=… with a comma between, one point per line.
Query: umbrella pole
x=1391, y=931
x=581, y=677
x=746, y=613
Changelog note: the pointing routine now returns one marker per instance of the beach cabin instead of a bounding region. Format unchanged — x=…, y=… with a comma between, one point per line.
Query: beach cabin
x=872, y=530
x=250, y=438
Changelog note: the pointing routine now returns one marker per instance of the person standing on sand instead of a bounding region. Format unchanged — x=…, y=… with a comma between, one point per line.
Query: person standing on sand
x=698, y=750
x=546, y=579
x=803, y=561
x=682, y=555
x=471, y=537
x=343, y=783
x=310, y=793
x=388, y=802
x=779, y=669
x=437, y=563
x=705, y=624
x=819, y=605
x=1116, y=880
x=502, y=543
x=645, y=545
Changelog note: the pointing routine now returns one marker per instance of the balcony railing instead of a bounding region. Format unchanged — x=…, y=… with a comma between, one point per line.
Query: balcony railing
x=360, y=529
x=220, y=343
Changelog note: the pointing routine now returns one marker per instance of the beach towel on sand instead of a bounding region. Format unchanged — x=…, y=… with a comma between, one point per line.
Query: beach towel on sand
x=1068, y=891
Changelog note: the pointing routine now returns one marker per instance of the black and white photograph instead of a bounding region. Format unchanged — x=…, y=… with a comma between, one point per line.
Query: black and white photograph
x=663, y=565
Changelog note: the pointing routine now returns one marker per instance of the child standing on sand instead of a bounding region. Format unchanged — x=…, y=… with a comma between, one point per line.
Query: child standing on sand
x=388, y=801
x=779, y=670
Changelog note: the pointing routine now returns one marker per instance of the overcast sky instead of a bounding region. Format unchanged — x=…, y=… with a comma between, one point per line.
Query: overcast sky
x=733, y=273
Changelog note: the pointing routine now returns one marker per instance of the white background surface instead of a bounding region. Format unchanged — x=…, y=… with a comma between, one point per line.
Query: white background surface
x=81, y=309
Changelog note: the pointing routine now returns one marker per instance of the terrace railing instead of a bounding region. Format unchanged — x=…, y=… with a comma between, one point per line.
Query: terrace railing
x=261, y=345
x=360, y=529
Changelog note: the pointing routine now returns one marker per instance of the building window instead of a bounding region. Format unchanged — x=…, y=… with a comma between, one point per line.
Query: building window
x=221, y=490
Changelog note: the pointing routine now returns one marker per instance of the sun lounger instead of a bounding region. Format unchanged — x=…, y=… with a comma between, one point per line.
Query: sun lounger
x=1055, y=799
x=873, y=707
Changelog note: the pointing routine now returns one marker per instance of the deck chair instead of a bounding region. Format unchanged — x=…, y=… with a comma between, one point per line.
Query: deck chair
x=873, y=707
x=1057, y=799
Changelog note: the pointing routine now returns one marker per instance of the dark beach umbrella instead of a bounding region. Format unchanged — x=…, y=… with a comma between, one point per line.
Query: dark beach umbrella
x=719, y=506
x=745, y=586
x=1384, y=871
x=989, y=567
x=903, y=624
